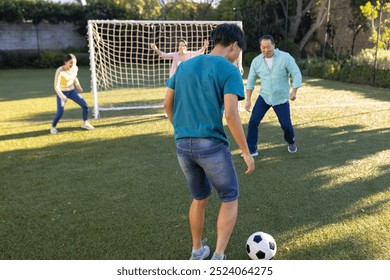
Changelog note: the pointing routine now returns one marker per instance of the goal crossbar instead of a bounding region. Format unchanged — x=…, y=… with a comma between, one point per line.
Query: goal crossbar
x=121, y=59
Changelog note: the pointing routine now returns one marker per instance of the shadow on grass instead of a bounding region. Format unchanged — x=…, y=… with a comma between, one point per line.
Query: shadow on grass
x=299, y=191
x=336, y=118
x=126, y=198
x=63, y=127
x=76, y=114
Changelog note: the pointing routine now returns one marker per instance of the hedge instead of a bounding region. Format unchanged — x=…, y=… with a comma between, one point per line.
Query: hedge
x=44, y=59
x=358, y=70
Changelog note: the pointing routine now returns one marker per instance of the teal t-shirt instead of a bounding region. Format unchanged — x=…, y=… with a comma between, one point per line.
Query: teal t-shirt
x=200, y=84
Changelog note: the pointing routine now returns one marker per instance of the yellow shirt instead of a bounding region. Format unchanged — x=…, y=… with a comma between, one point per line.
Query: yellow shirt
x=65, y=80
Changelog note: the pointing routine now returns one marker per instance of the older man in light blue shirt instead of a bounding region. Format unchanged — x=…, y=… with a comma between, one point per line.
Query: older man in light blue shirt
x=274, y=68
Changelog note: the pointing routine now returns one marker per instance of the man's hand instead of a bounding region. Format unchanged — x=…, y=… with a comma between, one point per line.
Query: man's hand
x=250, y=163
x=293, y=94
x=248, y=105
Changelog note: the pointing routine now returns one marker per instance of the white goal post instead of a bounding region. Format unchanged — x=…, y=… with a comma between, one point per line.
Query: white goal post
x=123, y=66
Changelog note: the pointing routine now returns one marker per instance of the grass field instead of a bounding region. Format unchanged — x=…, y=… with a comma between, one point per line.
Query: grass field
x=118, y=192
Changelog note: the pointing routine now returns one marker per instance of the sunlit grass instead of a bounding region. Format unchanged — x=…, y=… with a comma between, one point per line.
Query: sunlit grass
x=117, y=192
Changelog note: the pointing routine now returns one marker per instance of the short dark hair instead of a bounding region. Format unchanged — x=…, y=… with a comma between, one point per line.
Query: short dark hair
x=227, y=33
x=267, y=37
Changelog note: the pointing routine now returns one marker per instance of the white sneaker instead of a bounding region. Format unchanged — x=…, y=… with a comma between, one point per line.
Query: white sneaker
x=53, y=130
x=255, y=154
x=205, y=253
x=292, y=148
x=87, y=126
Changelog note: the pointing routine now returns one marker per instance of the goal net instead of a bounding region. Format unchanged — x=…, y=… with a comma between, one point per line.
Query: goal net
x=126, y=73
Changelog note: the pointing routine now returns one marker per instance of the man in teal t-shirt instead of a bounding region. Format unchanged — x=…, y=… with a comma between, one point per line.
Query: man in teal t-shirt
x=201, y=90
x=198, y=112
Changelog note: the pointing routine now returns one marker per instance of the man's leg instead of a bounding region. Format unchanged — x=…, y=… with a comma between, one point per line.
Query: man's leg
x=226, y=221
x=197, y=216
x=283, y=113
x=258, y=113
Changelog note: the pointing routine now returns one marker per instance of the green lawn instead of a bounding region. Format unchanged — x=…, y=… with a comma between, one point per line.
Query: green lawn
x=118, y=192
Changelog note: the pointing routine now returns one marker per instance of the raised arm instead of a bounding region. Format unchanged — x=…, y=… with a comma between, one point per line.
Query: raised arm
x=205, y=46
x=202, y=49
x=160, y=53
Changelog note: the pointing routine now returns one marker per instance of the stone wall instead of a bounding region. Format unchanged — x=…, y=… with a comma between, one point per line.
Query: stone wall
x=27, y=36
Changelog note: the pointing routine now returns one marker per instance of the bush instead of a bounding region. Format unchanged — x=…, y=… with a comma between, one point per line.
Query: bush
x=49, y=59
x=361, y=74
x=367, y=57
x=16, y=59
x=361, y=68
x=46, y=58
x=41, y=10
x=248, y=57
x=290, y=47
x=329, y=69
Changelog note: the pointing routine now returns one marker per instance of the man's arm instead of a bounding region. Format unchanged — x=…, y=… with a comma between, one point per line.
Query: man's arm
x=293, y=94
x=248, y=103
x=168, y=103
x=296, y=75
x=250, y=85
x=235, y=126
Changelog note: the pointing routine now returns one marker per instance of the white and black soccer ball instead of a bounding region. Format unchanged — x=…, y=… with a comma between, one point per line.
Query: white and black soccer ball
x=261, y=246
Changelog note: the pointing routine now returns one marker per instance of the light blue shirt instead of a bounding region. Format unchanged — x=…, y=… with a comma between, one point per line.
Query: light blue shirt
x=275, y=82
x=200, y=84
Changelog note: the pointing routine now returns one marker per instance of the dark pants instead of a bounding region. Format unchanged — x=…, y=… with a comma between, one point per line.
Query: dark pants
x=283, y=113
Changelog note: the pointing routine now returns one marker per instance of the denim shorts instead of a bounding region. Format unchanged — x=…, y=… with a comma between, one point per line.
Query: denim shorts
x=206, y=163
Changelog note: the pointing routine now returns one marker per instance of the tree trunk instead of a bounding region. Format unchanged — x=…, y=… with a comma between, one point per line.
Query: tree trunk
x=295, y=21
x=320, y=17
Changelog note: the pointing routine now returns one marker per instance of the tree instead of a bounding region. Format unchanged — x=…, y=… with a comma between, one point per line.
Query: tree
x=262, y=17
x=358, y=22
x=372, y=12
x=318, y=12
x=145, y=9
x=179, y=10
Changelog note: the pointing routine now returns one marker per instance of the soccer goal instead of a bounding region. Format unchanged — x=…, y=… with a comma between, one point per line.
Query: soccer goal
x=125, y=72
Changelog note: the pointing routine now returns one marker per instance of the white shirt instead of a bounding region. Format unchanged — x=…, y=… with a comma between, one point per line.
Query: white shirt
x=269, y=61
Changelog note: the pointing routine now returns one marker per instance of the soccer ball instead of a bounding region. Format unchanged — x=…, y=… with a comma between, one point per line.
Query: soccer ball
x=261, y=246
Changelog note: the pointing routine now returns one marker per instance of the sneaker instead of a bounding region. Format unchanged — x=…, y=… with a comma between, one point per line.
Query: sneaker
x=53, y=130
x=254, y=154
x=201, y=256
x=217, y=257
x=292, y=148
x=87, y=126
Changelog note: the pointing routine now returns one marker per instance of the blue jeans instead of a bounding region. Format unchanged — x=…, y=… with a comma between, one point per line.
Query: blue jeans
x=205, y=163
x=282, y=112
x=76, y=97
